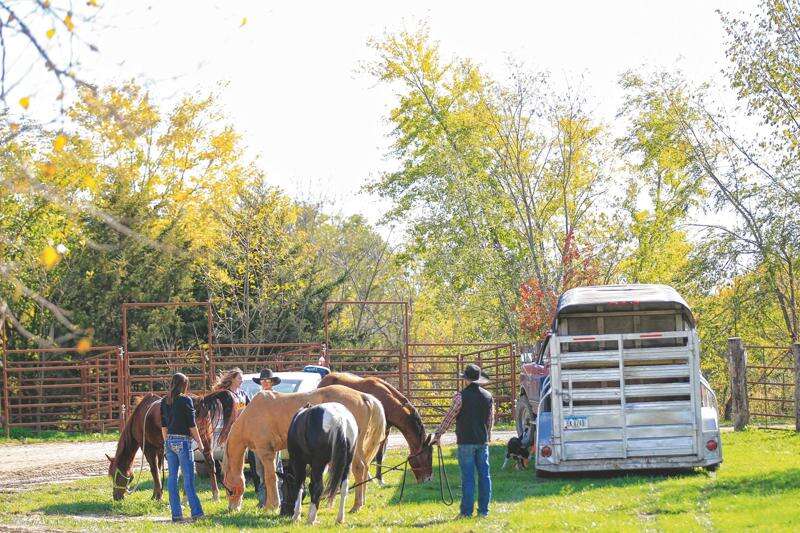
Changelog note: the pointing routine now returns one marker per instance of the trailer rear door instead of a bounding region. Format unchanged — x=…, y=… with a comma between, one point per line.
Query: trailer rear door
x=625, y=395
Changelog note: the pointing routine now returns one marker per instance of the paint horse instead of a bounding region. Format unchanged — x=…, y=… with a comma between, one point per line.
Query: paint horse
x=263, y=427
x=143, y=431
x=320, y=436
x=400, y=413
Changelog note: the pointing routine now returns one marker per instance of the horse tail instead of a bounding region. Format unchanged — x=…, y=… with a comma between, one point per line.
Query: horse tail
x=372, y=436
x=341, y=459
x=212, y=407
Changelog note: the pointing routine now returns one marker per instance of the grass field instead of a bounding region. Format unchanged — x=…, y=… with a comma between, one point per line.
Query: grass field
x=758, y=486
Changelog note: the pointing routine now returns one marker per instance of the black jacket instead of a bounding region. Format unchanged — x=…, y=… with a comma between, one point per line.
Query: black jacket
x=472, y=422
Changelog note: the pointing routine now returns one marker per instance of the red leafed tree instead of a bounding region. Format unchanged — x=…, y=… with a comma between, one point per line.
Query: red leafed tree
x=537, y=300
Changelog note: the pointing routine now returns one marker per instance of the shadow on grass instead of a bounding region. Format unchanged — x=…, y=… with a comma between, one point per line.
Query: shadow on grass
x=512, y=485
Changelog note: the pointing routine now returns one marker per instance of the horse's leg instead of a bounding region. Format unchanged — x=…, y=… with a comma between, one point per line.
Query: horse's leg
x=212, y=474
x=151, y=454
x=342, y=498
x=360, y=474
x=316, y=491
x=270, y=479
x=379, y=458
x=299, y=472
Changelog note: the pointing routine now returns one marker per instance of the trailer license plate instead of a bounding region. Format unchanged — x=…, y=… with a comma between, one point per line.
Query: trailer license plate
x=576, y=422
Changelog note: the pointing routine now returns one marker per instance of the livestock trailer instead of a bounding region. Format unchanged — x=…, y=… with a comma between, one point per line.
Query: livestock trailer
x=617, y=385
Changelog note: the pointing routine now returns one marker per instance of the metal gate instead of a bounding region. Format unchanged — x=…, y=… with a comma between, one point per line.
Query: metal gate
x=252, y=358
x=433, y=375
x=62, y=389
x=771, y=386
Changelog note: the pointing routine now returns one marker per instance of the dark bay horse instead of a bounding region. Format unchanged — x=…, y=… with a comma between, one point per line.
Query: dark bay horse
x=318, y=436
x=400, y=413
x=143, y=430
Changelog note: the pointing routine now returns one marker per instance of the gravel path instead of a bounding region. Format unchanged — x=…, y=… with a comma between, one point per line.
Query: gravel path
x=24, y=466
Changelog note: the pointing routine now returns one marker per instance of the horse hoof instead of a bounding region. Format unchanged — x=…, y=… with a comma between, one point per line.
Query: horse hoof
x=215, y=497
x=355, y=509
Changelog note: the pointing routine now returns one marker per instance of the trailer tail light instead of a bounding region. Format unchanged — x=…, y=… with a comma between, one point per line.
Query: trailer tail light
x=711, y=445
x=546, y=451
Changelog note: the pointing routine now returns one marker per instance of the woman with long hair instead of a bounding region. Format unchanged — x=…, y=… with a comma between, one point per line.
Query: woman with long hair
x=232, y=381
x=178, y=428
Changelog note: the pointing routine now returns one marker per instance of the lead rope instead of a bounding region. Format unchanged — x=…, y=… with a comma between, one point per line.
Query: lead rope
x=443, y=481
x=443, y=476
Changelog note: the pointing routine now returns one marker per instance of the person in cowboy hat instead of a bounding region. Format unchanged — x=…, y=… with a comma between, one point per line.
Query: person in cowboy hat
x=473, y=411
x=266, y=379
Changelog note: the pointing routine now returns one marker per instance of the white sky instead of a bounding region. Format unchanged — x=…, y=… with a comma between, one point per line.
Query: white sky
x=318, y=125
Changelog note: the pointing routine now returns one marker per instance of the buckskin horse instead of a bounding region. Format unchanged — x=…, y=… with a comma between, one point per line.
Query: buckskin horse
x=145, y=423
x=400, y=413
x=320, y=436
x=263, y=427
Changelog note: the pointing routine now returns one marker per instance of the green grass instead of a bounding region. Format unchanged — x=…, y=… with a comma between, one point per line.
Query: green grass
x=26, y=436
x=757, y=487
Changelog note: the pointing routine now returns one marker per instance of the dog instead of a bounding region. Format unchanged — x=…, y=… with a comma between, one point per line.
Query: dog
x=518, y=451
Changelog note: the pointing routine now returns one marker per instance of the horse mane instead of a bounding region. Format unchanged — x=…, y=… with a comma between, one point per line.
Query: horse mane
x=416, y=419
x=221, y=403
x=127, y=444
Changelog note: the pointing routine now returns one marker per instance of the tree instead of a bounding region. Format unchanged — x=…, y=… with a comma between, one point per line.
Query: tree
x=494, y=178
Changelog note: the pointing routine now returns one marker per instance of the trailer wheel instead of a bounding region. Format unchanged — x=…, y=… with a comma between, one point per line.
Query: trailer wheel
x=524, y=415
x=712, y=468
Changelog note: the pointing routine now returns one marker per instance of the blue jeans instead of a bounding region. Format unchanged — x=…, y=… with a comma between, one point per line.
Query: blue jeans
x=178, y=450
x=473, y=457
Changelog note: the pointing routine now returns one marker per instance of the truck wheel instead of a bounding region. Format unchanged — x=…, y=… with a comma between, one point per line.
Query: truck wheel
x=524, y=415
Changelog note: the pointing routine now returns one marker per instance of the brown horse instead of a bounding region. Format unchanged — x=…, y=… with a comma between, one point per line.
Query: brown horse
x=263, y=427
x=400, y=414
x=143, y=430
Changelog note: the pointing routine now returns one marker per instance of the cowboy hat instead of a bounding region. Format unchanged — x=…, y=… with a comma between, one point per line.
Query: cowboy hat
x=473, y=373
x=266, y=374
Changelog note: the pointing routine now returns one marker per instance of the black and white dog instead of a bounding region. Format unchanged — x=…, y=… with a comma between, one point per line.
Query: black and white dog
x=518, y=448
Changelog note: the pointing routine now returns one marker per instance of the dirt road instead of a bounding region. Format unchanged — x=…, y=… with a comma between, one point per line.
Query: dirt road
x=27, y=465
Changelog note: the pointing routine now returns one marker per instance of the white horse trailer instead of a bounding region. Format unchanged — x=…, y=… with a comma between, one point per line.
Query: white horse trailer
x=619, y=384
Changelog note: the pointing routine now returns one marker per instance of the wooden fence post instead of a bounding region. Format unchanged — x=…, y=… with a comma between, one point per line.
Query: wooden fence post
x=737, y=366
x=796, y=357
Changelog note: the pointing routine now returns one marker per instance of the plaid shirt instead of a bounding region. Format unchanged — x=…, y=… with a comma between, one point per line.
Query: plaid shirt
x=452, y=413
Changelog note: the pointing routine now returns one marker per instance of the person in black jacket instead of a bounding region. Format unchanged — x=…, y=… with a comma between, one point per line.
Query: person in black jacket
x=177, y=425
x=473, y=411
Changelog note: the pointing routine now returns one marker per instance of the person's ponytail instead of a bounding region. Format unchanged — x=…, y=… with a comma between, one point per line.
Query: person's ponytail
x=178, y=386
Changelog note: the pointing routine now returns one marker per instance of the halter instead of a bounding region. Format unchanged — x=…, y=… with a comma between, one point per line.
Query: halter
x=127, y=479
x=412, y=455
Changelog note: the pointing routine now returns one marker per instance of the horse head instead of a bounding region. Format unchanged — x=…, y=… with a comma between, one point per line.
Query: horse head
x=234, y=485
x=119, y=480
x=288, y=490
x=421, y=462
